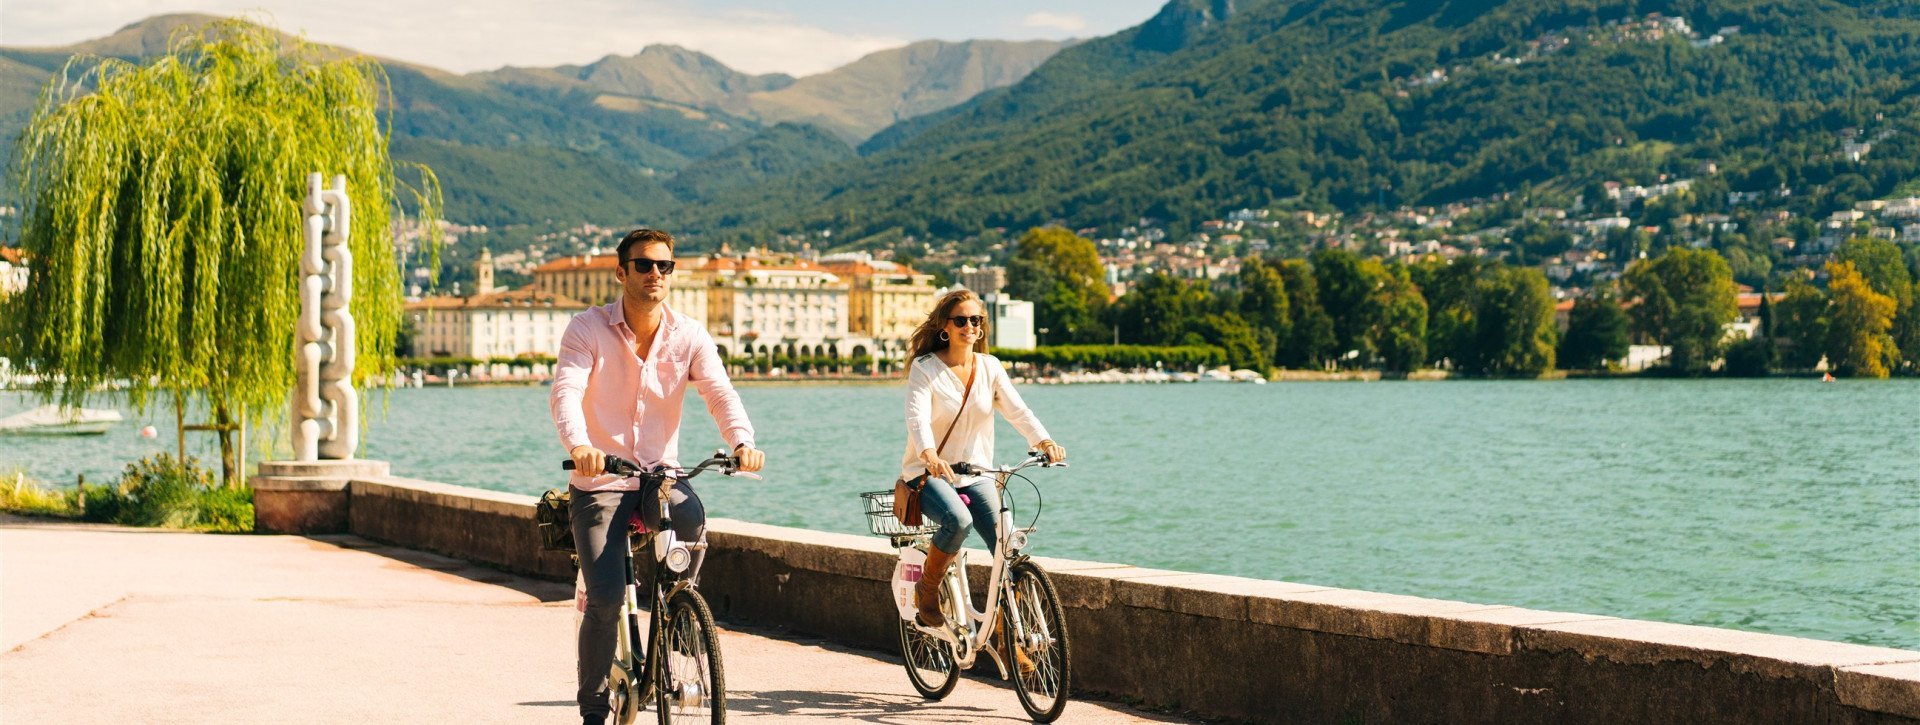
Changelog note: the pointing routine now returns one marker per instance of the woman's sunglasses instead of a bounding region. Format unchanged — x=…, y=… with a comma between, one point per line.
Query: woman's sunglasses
x=640, y=265
x=965, y=320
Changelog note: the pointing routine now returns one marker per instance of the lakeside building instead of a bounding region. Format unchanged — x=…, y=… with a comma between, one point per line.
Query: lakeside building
x=885, y=300
x=764, y=307
x=590, y=279
x=491, y=323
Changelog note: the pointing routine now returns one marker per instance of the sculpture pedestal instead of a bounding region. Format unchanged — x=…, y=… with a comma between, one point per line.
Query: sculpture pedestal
x=307, y=497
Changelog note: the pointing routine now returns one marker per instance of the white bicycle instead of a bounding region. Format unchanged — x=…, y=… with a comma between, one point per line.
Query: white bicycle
x=1022, y=619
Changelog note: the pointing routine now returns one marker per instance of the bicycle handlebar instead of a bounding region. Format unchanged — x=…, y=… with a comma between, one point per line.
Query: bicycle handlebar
x=1034, y=458
x=727, y=465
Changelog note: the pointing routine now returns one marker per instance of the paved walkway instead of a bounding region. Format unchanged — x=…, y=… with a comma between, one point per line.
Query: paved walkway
x=109, y=624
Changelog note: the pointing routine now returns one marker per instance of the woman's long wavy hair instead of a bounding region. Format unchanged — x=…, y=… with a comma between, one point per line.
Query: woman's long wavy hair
x=926, y=337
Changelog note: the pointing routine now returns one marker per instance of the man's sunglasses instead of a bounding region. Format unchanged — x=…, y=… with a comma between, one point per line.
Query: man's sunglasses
x=965, y=320
x=640, y=265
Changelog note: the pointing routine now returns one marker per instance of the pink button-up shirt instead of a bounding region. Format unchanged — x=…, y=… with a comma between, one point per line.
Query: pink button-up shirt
x=607, y=397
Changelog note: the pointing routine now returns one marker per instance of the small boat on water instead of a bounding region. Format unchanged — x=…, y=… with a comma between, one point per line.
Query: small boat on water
x=53, y=420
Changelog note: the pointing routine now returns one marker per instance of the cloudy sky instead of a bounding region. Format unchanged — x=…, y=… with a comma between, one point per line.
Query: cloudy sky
x=757, y=36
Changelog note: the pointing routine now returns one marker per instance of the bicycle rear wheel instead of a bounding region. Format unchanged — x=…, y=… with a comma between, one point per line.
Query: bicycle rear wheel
x=1042, y=671
x=692, y=685
x=930, y=661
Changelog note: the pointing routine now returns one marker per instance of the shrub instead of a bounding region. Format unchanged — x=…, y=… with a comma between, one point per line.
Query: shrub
x=164, y=490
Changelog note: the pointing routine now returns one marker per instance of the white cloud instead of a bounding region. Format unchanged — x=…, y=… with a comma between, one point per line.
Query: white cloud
x=483, y=34
x=1056, y=21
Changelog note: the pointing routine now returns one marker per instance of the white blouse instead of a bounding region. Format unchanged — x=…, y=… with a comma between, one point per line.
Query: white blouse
x=933, y=399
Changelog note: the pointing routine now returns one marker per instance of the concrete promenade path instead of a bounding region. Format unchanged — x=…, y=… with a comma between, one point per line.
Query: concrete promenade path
x=110, y=624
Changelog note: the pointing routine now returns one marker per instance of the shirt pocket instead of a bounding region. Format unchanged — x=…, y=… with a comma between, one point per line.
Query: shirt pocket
x=670, y=373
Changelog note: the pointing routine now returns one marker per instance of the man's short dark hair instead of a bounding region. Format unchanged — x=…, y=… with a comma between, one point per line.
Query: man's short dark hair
x=639, y=237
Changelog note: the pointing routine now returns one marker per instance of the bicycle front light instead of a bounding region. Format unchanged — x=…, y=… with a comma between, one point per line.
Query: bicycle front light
x=679, y=558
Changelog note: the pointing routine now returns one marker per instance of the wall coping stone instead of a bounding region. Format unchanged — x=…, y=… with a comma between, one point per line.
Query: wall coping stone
x=1630, y=641
x=275, y=484
x=1890, y=688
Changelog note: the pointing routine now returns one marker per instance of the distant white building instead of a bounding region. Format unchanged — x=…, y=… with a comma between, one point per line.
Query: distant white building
x=523, y=322
x=1010, y=322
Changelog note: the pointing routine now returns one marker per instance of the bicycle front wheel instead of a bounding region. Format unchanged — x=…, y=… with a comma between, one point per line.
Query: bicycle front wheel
x=1042, y=671
x=930, y=661
x=692, y=686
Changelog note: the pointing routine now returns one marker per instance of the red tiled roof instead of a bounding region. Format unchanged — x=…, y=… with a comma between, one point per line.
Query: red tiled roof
x=12, y=255
x=580, y=262
x=527, y=296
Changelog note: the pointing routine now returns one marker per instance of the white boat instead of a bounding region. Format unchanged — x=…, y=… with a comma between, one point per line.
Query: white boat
x=56, y=420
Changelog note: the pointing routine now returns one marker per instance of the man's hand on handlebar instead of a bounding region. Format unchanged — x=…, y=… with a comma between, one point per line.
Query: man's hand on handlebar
x=588, y=461
x=748, y=458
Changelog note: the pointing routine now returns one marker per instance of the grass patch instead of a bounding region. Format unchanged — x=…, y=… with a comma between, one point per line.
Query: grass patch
x=162, y=490
x=28, y=497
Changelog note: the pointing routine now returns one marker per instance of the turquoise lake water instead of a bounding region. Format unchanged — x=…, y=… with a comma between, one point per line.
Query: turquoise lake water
x=1784, y=506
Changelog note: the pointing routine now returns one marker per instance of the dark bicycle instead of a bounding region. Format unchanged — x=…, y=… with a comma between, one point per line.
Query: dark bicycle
x=680, y=667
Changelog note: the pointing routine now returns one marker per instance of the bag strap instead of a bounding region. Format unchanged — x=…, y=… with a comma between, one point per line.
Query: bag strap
x=975, y=370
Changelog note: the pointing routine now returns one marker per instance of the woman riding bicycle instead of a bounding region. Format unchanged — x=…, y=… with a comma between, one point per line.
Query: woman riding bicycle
x=951, y=368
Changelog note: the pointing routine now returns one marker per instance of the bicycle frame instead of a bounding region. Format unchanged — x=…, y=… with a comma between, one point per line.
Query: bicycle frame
x=979, y=623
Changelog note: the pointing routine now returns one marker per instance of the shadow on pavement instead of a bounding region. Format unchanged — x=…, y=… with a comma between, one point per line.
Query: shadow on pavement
x=544, y=591
x=865, y=706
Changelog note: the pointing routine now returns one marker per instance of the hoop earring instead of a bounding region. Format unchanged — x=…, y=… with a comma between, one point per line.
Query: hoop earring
x=943, y=336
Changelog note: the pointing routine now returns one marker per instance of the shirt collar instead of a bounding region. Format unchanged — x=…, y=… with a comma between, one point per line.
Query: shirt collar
x=617, y=318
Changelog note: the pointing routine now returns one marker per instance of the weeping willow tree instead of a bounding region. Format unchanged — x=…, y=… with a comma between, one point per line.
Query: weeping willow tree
x=161, y=211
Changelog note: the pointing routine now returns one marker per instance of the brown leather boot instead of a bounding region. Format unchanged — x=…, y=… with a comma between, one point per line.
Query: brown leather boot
x=926, y=592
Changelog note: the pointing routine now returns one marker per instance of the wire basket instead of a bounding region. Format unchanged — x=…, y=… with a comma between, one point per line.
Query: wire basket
x=880, y=518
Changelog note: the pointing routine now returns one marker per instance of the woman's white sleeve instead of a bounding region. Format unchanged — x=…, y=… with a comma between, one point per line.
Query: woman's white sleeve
x=1008, y=402
x=919, y=409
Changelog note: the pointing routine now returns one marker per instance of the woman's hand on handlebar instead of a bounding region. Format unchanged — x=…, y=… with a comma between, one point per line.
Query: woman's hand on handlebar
x=588, y=461
x=748, y=459
x=935, y=467
x=1054, y=452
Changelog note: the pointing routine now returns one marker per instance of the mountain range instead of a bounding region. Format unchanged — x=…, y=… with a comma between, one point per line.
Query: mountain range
x=603, y=141
x=1208, y=106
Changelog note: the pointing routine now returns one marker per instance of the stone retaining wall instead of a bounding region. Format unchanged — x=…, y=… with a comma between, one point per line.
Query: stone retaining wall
x=1239, y=648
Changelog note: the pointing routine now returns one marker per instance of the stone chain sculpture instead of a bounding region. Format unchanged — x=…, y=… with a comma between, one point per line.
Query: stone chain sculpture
x=326, y=411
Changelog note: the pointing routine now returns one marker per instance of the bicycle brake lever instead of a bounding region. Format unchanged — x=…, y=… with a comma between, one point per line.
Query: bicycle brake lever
x=745, y=474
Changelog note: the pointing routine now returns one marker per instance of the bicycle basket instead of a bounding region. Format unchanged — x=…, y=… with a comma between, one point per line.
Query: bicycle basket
x=880, y=520
x=554, y=516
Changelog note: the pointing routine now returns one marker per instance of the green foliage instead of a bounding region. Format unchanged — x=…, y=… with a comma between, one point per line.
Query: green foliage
x=167, y=491
x=1513, y=325
x=1859, y=318
x=21, y=495
x=1310, y=343
x=1399, y=331
x=1452, y=291
x=1801, y=324
x=1104, y=357
x=1061, y=272
x=1684, y=299
x=1263, y=302
x=163, y=211
x=1596, y=333
x=782, y=150
x=1749, y=358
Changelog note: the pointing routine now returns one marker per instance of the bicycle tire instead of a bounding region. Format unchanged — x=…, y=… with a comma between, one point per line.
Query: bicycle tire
x=692, y=685
x=1043, y=689
x=930, y=662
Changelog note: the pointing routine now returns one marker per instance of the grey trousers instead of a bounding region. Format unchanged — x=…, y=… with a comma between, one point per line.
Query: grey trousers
x=600, y=534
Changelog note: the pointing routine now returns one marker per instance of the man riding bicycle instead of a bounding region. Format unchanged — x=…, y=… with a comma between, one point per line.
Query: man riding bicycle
x=618, y=384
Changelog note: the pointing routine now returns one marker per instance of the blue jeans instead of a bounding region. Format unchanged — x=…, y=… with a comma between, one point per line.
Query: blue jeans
x=941, y=503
